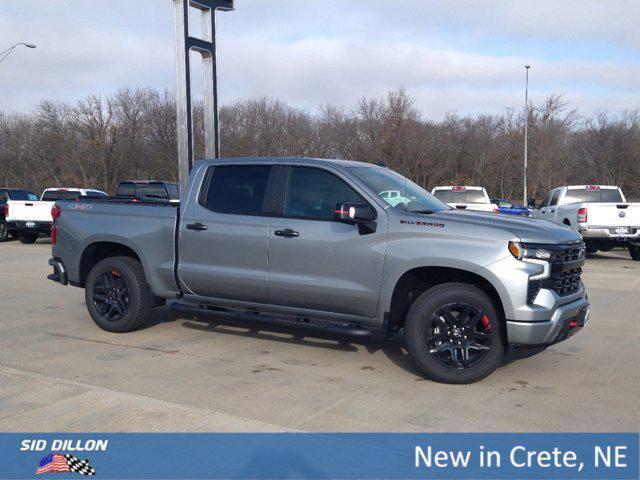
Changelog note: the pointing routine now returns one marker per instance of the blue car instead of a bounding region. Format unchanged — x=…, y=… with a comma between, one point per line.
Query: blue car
x=510, y=208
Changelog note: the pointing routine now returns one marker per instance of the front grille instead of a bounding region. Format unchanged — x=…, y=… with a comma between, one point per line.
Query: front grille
x=571, y=254
x=566, y=282
x=566, y=270
x=565, y=274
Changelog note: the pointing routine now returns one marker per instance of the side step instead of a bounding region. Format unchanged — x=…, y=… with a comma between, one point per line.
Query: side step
x=183, y=309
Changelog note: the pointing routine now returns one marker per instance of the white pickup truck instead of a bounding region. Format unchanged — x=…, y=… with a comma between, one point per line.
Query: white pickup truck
x=33, y=218
x=599, y=212
x=466, y=198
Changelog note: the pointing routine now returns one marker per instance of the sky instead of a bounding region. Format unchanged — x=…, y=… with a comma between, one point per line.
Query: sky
x=464, y=57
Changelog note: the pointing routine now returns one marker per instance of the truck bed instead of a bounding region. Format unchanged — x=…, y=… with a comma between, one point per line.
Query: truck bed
x=146, y=228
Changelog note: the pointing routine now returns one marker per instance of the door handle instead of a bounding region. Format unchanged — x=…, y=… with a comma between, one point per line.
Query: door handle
x=551, y=211
x=287, y=233
x=196, y=226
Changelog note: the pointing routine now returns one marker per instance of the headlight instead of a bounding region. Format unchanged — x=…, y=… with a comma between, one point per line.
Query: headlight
x=521, y=252
x=538, y=256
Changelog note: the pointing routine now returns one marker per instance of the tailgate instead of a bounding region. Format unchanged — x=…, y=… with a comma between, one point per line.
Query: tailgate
x=25, y=211
x=613, y=214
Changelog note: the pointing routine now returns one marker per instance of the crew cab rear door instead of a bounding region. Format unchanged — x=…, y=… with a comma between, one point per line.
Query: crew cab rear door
x=315, y=262
x=223, y=233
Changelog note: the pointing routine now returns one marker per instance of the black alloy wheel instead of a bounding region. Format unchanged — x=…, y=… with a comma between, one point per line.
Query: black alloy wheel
x=111, y=296
x=459, y=335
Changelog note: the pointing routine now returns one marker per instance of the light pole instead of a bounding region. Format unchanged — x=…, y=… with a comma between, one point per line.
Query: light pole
x=526, y=129
x=4, y=54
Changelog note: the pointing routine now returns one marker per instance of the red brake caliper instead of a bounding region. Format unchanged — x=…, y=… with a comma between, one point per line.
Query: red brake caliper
x=486, y=323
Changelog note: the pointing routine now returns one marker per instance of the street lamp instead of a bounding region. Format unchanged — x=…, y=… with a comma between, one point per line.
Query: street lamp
x=4, y=54
x=526, y=129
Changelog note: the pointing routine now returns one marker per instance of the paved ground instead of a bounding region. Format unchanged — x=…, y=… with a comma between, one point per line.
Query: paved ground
x=59, y=372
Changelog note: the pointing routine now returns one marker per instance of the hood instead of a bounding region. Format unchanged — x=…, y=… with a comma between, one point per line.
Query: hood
x=532, y=230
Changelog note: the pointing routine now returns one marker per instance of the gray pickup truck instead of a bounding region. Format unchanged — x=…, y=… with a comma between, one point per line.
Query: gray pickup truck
x=311, y=243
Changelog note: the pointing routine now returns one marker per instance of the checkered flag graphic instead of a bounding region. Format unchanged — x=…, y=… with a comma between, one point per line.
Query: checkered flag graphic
x=79, y=466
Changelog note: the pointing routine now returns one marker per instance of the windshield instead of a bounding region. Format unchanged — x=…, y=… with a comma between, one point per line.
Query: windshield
x=22, y=195
x=398, y=191
x=461, y=196
x=593, y=195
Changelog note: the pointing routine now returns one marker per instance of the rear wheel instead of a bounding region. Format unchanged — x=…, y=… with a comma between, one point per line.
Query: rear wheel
x=27, y=237
x=117, y=295
x=454, y=334
x=4, y=231
x=634, y=250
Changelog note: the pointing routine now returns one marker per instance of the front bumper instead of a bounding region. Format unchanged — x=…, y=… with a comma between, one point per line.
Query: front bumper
x=59, y=274
x=41, y=228
x=566, y=321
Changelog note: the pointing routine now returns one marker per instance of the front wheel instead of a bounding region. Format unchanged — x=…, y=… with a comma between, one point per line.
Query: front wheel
x=454, y=334
x=117, y=294
x=634, y=250
x=27, y=238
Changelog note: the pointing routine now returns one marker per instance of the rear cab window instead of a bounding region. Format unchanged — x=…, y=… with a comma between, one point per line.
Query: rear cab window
x=54, y=195
x=593, y=195
x=461, y=196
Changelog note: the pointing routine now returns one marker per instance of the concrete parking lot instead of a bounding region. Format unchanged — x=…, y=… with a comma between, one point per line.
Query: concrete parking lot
x=59, y=372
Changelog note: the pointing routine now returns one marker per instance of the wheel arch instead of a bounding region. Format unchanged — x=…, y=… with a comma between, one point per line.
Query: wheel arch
x=415, y=281
x=98, y=251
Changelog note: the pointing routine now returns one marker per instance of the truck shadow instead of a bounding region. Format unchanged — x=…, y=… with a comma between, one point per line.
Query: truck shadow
x=392, y=348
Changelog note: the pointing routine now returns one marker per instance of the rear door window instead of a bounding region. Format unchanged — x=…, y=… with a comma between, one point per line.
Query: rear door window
x=238, y=190
x=554, y=198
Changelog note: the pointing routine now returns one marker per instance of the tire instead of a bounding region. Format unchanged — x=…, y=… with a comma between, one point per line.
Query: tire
x=4, y=231
x=634, y=251
x=524, y=214
x=117, y=295
x=592, y=247
x=424, y=315
x=27, y=238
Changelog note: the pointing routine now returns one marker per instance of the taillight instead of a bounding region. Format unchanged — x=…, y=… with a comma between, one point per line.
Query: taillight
x=582, y=215
x=496, y=210
x=55, y=214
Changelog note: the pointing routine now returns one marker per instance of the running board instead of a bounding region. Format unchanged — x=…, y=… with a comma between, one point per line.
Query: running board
x=302, y=322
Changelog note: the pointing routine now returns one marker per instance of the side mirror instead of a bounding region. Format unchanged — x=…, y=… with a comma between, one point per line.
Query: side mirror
x=360, y=214
x=531, y=203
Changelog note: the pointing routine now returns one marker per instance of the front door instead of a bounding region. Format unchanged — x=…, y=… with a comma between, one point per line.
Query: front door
x=223, y=236
x=315, y=262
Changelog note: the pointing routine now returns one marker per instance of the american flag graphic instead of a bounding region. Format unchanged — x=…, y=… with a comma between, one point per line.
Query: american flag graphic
x=59, y=463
